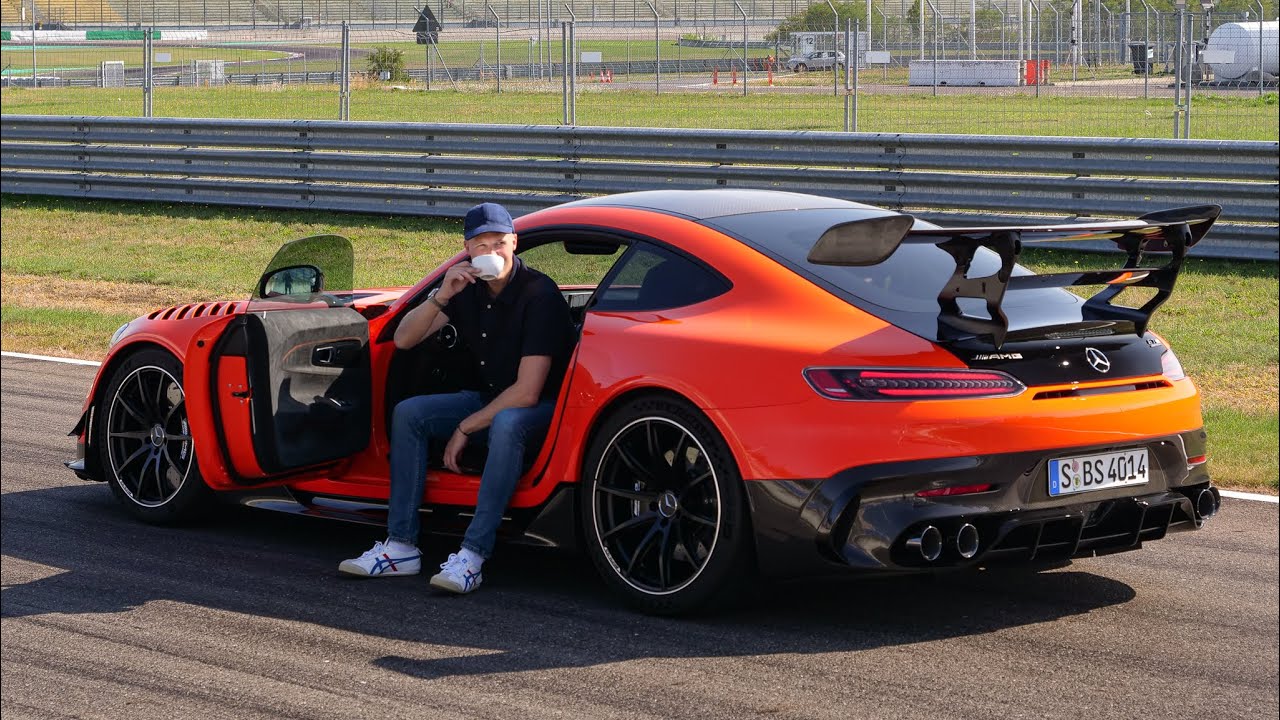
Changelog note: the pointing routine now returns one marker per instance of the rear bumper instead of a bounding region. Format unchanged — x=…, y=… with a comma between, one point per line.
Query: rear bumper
x=863, y=518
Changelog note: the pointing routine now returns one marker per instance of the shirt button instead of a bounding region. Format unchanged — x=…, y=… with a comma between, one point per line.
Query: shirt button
x=484, y=334
x=481, y=362
x=488, y=307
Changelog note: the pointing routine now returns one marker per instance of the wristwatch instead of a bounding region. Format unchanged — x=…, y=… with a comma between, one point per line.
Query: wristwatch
x=434, y=300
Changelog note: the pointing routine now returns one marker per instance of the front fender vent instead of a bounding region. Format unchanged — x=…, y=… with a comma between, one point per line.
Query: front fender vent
x=183, y=312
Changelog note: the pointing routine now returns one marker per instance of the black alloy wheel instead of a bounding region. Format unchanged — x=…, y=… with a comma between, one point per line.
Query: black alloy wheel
x=145, y=441
x=664, y=511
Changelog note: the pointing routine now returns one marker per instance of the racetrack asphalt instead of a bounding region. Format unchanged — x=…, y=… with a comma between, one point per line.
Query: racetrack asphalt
x=245, y=616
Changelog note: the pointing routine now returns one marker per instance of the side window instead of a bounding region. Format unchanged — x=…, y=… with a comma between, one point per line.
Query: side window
x=577, y=267
x=655, y=279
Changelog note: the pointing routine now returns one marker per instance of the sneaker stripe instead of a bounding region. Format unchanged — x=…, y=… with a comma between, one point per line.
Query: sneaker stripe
x=386, y=561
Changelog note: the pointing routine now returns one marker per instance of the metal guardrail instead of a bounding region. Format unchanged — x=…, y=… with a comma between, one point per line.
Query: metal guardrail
x=443, y=169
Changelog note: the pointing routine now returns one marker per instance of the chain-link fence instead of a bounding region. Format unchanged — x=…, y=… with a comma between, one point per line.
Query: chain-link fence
x=1022, y=67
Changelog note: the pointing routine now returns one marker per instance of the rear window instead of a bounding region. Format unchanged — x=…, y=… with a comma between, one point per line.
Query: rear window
x=905, y=285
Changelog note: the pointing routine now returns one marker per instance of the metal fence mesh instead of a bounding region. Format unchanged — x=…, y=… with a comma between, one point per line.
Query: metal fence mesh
x=1020, y=67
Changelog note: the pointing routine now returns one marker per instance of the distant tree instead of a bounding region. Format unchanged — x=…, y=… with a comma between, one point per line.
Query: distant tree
x=818, y=17
x=388, y=60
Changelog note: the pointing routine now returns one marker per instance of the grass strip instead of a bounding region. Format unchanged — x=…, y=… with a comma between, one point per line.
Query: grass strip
x=1217, y=118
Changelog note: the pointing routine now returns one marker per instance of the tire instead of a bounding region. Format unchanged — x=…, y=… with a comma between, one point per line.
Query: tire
x=801, y=68
x=145, y=443
x=664, y=512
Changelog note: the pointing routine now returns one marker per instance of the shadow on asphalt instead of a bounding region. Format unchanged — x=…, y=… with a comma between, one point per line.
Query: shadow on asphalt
x=539, y=608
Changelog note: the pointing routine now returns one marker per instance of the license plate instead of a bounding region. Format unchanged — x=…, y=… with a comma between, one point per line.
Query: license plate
x=1097, y=472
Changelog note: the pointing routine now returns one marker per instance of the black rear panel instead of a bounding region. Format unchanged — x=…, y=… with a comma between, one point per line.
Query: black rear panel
x=1053, y=361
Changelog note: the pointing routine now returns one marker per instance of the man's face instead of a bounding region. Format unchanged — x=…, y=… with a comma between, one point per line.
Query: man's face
x=497, y=243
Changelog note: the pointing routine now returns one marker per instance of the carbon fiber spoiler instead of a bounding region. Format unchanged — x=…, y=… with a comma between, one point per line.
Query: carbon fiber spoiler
x=1171, y=232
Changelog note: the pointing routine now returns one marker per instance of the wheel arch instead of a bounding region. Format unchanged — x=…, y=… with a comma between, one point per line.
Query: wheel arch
x=89, y=416
x=609, y=409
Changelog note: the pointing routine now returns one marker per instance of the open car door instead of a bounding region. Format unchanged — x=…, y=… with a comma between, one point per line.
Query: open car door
x=291, y=375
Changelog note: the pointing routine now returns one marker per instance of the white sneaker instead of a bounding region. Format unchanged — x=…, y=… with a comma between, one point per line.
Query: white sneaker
x=457, y=575
x=382, y=562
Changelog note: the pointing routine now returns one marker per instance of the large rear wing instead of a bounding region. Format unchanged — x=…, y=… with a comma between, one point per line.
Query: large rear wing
x=1169, y=233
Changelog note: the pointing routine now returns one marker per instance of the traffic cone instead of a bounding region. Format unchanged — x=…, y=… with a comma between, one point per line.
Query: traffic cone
x=770, y=77
x=715, y=76
x=734, y=74
x=608, y=76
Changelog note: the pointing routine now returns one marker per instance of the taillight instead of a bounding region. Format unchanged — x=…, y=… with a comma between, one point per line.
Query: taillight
x=880, y=384
x=1170, y=367
x=955, y=490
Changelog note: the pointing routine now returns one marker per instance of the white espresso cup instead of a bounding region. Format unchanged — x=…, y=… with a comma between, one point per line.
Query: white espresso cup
x=490, y=266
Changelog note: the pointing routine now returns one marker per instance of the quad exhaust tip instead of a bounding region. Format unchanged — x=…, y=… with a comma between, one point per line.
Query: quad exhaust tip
x=967, y=541
x=1207, y=504
x=928, y=543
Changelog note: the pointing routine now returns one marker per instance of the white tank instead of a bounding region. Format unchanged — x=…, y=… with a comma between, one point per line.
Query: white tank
x=1242, y=39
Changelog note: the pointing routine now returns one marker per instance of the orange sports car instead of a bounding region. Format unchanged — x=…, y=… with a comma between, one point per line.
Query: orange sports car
x=763, y=382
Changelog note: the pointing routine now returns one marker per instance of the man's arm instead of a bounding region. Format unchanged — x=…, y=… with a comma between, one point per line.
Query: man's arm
x=419, y=324
x=429, y=317
x=530, y=377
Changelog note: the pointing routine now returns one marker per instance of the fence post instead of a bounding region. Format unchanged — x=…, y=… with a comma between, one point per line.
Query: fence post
x=564, y=76
x=745, y=65
x=573, y=65
x=835, y=43
x=147, y=74
x=497, y=42
x=344, y=85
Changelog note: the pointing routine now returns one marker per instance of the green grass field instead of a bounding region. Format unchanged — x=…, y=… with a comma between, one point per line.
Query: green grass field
x=73, y=271
x=1236, y=118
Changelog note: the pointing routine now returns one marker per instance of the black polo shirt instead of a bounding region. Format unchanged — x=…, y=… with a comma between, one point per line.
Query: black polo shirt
x=529, y=317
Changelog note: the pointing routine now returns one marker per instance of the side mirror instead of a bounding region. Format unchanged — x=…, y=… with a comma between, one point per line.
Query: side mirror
x=292, y=280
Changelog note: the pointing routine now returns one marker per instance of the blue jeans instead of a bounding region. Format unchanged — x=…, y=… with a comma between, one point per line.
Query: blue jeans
x=433, y=418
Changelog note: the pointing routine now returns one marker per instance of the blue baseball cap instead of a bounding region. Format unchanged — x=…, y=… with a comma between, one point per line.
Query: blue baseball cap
x=485, y=218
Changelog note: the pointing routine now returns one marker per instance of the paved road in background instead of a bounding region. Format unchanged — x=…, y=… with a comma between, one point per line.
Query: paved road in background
x=246, y=617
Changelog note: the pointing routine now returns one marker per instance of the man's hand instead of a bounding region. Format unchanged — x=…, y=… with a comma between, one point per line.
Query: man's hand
x=453, y=450
x=456, y=278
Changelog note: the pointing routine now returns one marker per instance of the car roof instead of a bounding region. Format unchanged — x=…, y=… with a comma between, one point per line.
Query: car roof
x=700, y=205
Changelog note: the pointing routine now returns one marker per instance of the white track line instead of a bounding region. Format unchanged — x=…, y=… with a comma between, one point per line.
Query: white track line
x=69, y=361
x=1250, y=496
x=72, y=361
